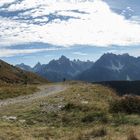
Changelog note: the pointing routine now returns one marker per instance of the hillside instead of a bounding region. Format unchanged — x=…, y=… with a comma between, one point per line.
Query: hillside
x=82, y=112
x=14, y=75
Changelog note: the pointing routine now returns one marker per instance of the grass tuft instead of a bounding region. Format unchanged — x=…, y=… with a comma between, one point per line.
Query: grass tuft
x=132, y=136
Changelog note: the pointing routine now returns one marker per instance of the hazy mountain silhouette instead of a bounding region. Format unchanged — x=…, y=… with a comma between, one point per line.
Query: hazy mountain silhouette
x=57, y=70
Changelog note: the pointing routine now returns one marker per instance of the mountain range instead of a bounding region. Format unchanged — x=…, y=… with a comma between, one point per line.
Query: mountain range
x=109, y=67
x=112, y=67
x=57, y=70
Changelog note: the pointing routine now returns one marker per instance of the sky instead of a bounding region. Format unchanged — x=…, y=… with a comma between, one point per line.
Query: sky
x=34, y=31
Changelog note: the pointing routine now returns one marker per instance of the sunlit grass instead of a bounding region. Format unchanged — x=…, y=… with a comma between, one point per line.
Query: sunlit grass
x=79, y=113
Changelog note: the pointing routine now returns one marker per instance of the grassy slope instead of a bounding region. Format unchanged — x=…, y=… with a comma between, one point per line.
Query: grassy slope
x=15, y=82
x=14, y=75
x=83, y=115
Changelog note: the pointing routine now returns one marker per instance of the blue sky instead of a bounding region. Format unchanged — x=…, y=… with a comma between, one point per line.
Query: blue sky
x=41, y=30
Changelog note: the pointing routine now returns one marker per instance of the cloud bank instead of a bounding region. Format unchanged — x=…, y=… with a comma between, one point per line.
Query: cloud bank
x=13, y=52
x=65, y=23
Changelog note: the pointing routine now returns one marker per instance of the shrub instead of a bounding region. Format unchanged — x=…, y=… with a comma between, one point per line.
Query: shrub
x=95, y=116
x=126, y=104
x=69, y=106
x=74, y=107
x=65, y=119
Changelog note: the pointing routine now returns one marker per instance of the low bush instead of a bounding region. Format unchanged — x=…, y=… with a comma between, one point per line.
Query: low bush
x=74, y=107
x=100, y=132
x=69, y=106
x=95, y=117
x=127, y=104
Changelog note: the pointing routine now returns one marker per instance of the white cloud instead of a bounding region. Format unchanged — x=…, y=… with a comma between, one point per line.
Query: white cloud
x=2, y=2
x=100, y=27
x=80, y=53
x=136, y=19
x=13, y=52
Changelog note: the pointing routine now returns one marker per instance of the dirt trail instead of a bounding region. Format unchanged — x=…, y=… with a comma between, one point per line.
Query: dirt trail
x=45, y=90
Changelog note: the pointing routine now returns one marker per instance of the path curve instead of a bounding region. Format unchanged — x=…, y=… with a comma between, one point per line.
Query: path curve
x=44, y=91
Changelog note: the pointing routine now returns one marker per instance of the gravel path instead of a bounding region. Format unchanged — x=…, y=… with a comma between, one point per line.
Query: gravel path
x=45, y=90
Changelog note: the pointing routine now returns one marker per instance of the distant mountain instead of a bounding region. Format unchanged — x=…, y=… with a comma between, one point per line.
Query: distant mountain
x=109, y=67
x=37, y=67
x=112, y=67
x=67, y=67
x=24, y=67
x=12, y=74
x=57, y=70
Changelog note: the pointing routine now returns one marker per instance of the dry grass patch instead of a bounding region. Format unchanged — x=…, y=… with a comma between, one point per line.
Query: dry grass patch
x=132, y=136
x=11, y=91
